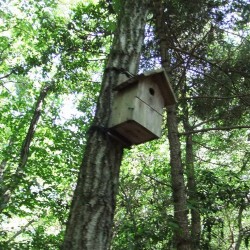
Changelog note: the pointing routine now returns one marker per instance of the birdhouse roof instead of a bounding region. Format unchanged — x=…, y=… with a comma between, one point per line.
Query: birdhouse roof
x=159, y=77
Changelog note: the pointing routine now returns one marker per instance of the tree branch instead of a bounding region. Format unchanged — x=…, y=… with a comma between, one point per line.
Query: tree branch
x=240, y=227
x=204, y=122
x=156, y=180
x=212, y=78
x=5, y=76
x=213, y=129
x=194, y=55
x=24, y=152
x=215, y=97
x=20, y=231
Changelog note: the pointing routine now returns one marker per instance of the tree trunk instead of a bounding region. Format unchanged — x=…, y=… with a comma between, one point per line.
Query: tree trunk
x=192, y=192
x=191, y=179
x=181, y=235
x=240, y=228
x=6, y=191
x=92, y=210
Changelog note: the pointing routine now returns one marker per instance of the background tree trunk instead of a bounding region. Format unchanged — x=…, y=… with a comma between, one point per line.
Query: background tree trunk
x=181, y=235
x=7, y=190
x=191, y=177
x=240, y=227
x=91, y=215
x=192, y=193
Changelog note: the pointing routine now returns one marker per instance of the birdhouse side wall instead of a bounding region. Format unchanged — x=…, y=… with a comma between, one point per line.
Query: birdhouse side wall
x=123, y=105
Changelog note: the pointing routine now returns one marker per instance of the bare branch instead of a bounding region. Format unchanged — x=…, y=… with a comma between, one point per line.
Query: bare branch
x=156, y=180
x=21, y=230
x=210, y=162
x=5, y=76
x=235, y=34
x=212, y=78
x=24, y=152
x=204, y=122
x=215, y=97
x=213, y=129
x=194, y=55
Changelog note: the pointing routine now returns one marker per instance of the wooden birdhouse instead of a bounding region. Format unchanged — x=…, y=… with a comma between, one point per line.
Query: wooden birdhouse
x=138, y=106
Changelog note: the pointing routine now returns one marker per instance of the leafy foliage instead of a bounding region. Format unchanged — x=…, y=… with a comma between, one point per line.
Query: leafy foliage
x=39, y=48
x=208, y=48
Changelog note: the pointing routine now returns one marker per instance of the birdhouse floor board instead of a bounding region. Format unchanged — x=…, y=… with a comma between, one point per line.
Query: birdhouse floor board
x=134, y=132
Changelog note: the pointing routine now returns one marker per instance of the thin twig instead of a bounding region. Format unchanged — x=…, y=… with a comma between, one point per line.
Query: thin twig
x=20, y=231
x=213, y=129
x=215, y=97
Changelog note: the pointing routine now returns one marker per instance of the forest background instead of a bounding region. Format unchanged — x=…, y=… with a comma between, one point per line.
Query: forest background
x=52, y=58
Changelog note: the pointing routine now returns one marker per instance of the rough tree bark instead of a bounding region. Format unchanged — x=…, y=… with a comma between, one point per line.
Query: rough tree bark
x=7, y=190
x=92, y=210
x=191, y=177
x=192, y=193
x=240, y=227
x=181, y=235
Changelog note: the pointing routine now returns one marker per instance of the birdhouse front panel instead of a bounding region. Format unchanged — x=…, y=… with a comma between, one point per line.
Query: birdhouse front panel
x=149, y=92
x=147, y=116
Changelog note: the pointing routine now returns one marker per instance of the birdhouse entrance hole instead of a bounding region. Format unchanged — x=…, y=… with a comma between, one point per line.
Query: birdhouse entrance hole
x=151, y=91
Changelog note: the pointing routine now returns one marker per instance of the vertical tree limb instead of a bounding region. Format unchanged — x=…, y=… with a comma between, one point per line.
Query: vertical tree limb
x=23, y=228
x=240, y=228
x=181, y=236
x=6, y=191
x=192, y=193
